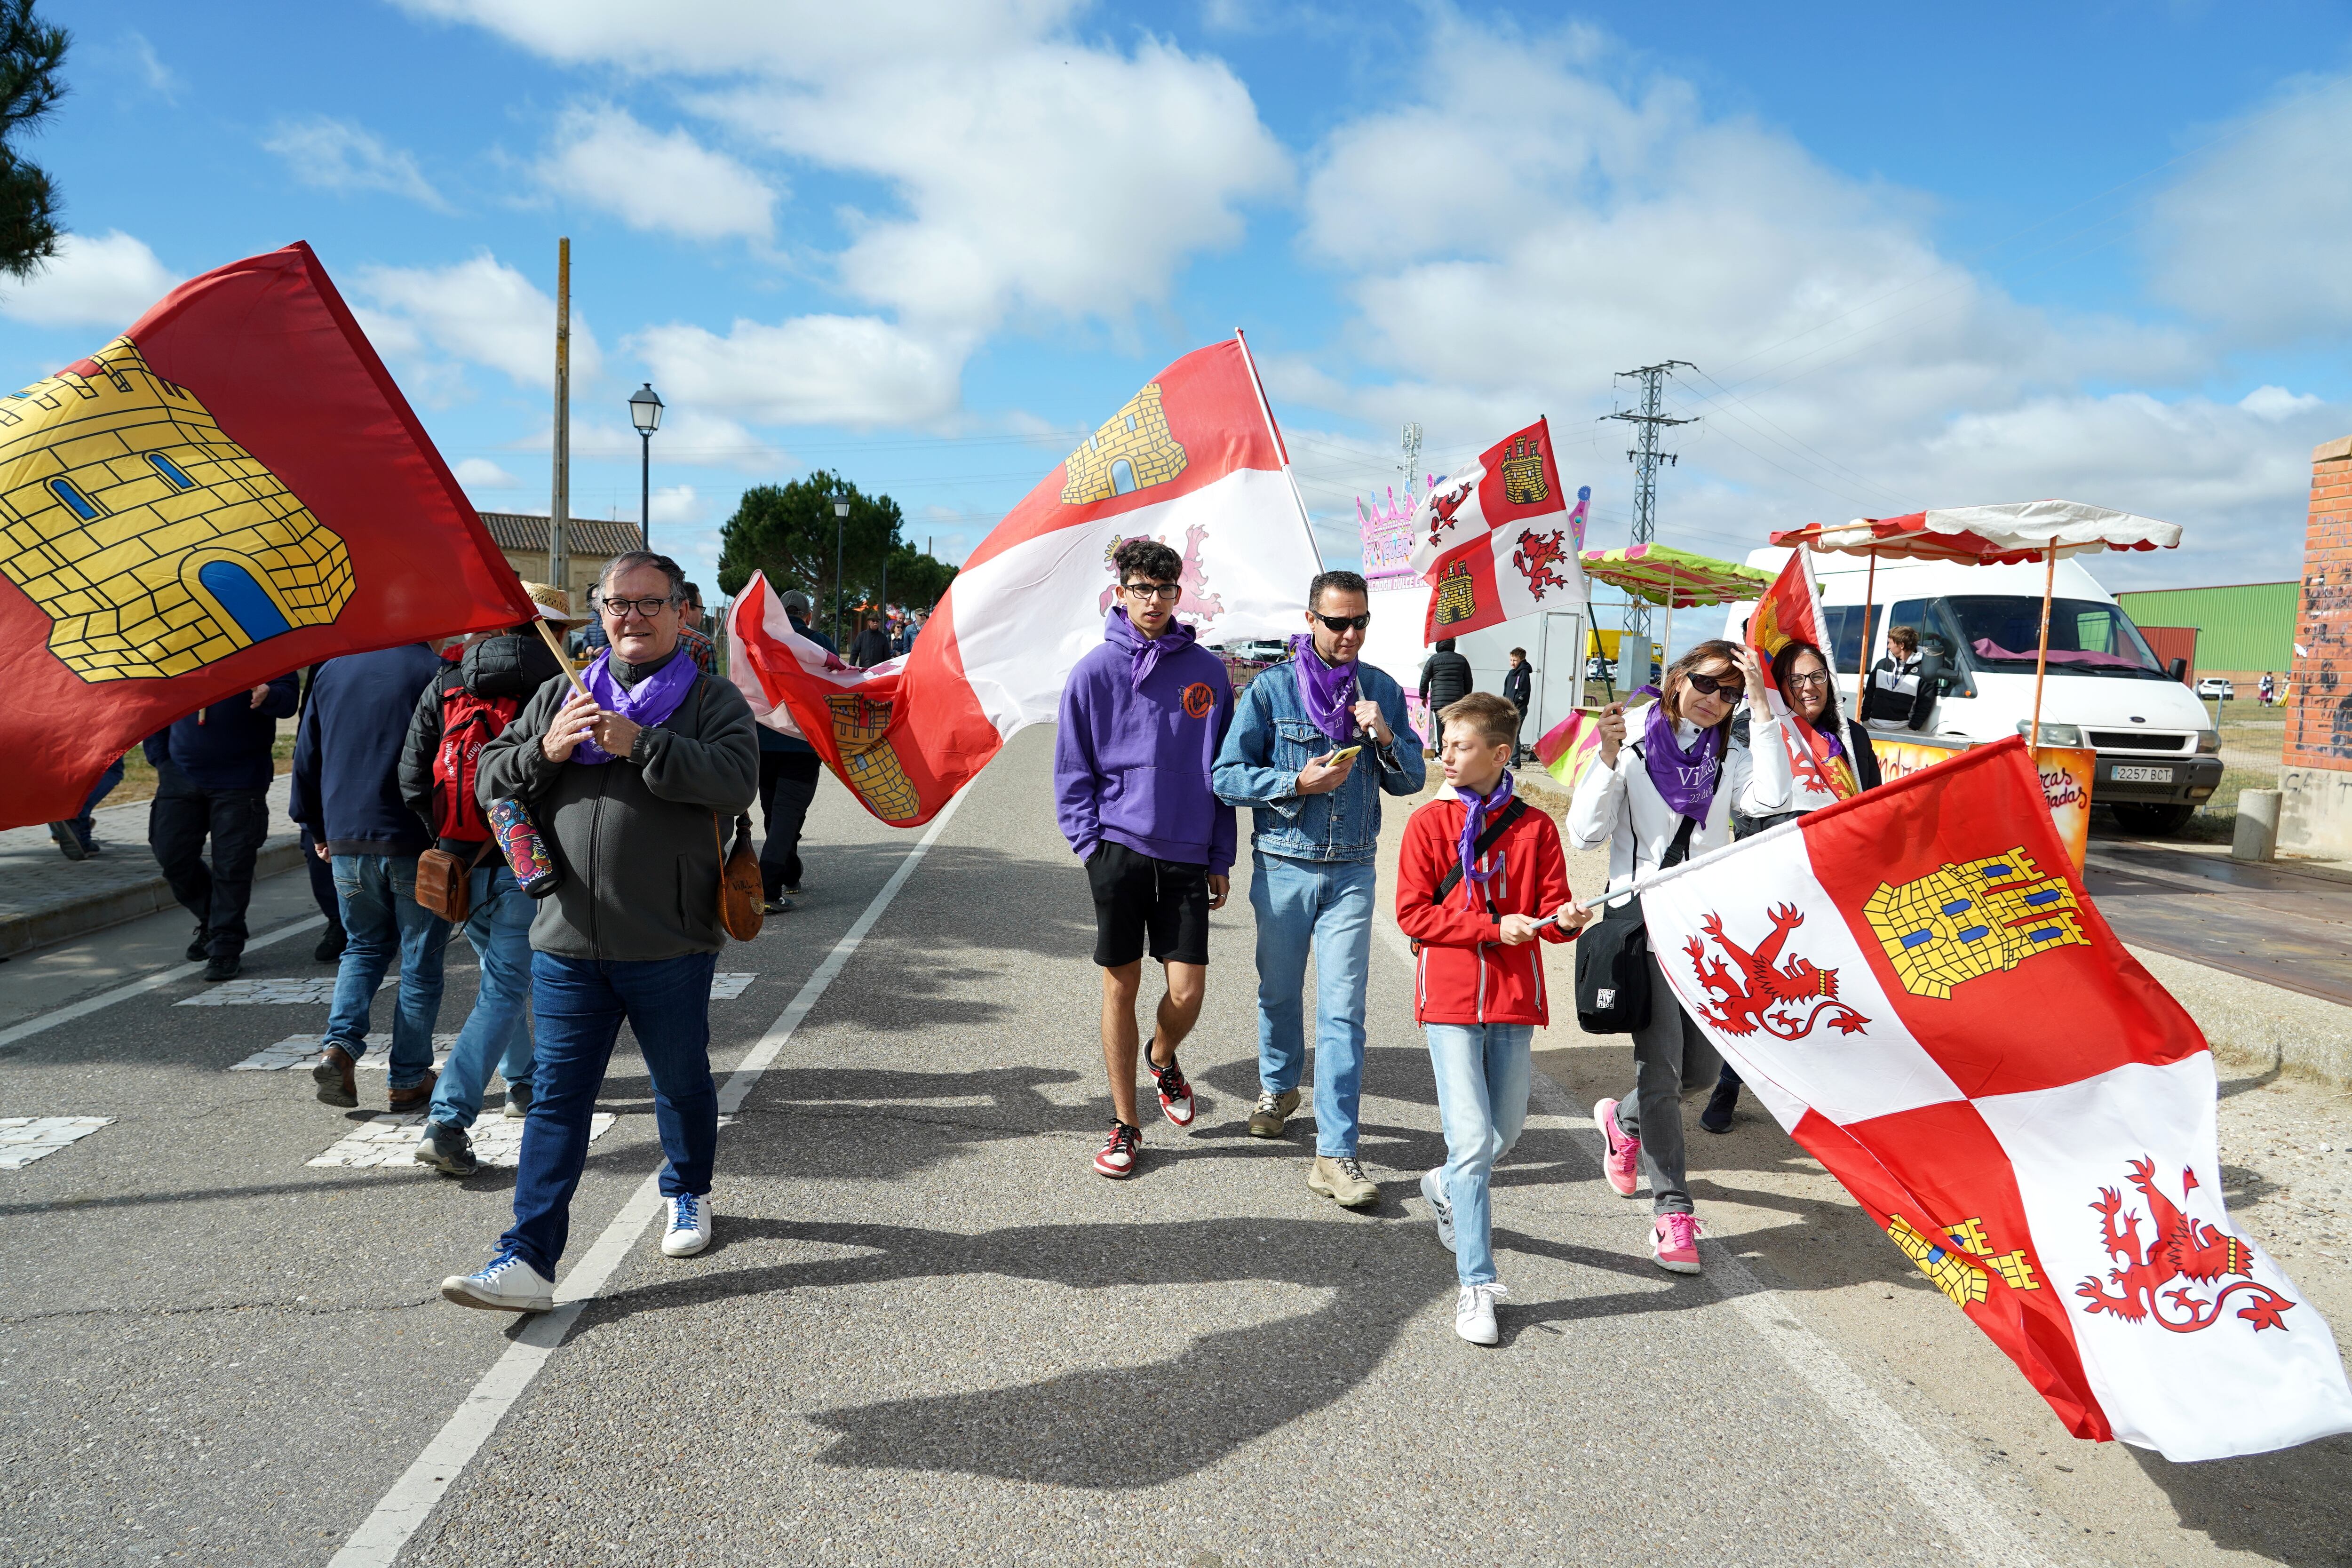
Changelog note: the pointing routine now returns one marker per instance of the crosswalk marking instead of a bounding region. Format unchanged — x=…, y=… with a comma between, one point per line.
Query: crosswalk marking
x=278, y=992
x=389, y=1143
x=727, y=987
x=302, y=1050
x=25, y=1139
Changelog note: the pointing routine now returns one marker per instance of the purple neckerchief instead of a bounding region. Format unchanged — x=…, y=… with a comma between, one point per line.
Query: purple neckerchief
x=1474, y=823
x=1685, y=778
x=1328, y=690
x=1830, y=741
x=645, y=704
x=1149, y=651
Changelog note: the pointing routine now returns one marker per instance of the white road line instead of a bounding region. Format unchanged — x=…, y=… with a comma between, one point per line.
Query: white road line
x=162, y=977
x=1982, y=1533
x=379, y=1538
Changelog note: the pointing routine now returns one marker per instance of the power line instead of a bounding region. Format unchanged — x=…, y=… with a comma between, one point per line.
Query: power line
x=1645, y=458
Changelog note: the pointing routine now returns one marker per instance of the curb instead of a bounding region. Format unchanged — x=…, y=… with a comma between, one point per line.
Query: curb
x=19, y=934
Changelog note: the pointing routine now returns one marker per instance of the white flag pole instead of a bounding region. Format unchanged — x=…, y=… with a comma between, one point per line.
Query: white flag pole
x=1281, y=450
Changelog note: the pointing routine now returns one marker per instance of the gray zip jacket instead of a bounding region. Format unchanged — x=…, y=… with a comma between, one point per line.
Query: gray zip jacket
x=638, y=837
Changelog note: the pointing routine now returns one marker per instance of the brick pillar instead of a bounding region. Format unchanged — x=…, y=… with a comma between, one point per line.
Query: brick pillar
x=2316, y=776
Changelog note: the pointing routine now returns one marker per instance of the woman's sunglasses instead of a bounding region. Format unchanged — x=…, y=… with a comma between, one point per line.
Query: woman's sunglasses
x=1345, y=623
x=1713, y=686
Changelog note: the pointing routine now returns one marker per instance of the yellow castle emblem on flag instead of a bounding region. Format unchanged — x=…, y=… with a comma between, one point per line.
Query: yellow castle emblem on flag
x=1959, y=1270
x=869, y=764
x=154, y=542
x=1961, y=921
x=1133, y=448
x=1457, y=593
x=1523, y=475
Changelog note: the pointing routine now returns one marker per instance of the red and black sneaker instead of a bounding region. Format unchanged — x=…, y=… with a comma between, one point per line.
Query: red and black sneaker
x=1117, y=1156
x=1175, y=1094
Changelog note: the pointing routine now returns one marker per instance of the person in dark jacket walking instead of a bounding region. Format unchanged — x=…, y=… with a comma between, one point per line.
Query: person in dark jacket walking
x=789, y=768
x=629, y=784
x=870, y=647
x=1444, y=680
x=469, y=705
x=212, y=770
x=331, y=941
x=1519, y=686
x=347, y=793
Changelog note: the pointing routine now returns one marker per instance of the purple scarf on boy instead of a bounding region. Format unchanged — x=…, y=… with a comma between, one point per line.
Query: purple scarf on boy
x=647, y=703
x=1474, y=812
x=1686, y=779
x=1328, y=691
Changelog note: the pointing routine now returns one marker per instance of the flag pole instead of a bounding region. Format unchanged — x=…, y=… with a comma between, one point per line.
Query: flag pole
x=1869, y=593
x=557, y=649
x=2042, y=652
x=1281, y=450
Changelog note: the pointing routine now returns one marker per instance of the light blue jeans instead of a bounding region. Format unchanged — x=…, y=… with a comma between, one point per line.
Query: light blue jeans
x=499, y=925
x=1482, y=1103
x=386, y=924
x=1326, y=905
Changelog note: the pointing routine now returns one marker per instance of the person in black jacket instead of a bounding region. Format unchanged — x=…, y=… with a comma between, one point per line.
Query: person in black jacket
x=212, y=770
x=870, y=647
x=1518, y=685
x=1444, y=680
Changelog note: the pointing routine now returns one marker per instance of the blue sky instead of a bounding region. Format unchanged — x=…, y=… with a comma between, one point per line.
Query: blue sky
x=2092, y=251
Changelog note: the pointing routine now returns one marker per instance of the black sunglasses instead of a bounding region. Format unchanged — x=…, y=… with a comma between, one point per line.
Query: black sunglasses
x=1712, y=686
x=1344, y=623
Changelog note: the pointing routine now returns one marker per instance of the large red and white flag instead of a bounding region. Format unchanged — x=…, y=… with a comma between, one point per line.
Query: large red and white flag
x=1914, y=984
x=1194, y=459
x=1791, y=611
x=1480, y=539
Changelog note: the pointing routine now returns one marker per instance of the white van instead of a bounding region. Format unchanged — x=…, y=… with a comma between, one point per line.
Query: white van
x=1978, y=625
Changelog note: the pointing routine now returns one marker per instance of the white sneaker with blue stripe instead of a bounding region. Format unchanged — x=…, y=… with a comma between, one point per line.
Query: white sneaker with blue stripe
x=687, y=1227
x=505, y=1284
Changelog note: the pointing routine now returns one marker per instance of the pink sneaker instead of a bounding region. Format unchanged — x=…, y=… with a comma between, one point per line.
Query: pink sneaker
x=1622, y=1163
x=1673, y=1242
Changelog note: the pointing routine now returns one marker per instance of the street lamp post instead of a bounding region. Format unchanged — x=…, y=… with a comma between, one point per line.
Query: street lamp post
x=840, y=531
x=645, y=413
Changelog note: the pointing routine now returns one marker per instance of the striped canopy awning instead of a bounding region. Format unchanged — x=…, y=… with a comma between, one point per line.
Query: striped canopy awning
x=1985, y=535
x=1652, y=572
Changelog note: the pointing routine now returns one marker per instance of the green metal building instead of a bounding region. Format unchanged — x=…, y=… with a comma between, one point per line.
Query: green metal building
x=2242, y=630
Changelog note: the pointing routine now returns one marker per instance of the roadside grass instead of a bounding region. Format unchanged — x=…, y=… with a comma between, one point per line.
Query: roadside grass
x=139, y=774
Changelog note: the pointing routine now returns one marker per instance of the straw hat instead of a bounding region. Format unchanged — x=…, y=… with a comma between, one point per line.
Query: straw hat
x=554, y=604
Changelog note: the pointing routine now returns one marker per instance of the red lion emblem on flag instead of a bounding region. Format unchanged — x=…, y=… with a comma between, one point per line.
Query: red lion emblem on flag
x=1536, y=556
x=1755, y=991
x=2182, y=1247
x=1442, y=508
x=1193, y=579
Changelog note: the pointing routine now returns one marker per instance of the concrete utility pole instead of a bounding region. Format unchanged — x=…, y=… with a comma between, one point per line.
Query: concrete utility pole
x=559, y=507
x=1411, y=460
x=1645, y=459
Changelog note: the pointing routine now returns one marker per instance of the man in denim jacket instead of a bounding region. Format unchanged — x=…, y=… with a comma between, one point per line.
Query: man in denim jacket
x=1316, y=828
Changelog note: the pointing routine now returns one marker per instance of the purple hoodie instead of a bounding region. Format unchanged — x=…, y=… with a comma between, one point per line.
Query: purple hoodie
x=1131, y=762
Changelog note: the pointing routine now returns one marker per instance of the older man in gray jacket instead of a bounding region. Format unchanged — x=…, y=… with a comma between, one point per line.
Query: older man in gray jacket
x=630, y=785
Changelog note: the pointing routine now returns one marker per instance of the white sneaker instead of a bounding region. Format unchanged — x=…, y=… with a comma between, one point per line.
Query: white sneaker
x=688, y=1230
x=1442, y=1211
x=1474, y=1313
x=505, y=1284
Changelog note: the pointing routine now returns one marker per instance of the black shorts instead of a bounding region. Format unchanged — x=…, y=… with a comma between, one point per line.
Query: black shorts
x=1136, y=895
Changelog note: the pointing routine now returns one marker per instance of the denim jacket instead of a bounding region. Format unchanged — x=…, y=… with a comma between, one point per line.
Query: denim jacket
x=1272, y=738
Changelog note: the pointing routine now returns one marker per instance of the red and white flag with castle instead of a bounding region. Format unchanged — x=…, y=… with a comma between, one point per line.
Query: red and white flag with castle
x=1914, y=984
x=1492, y=540
x=1791, y=611
x=1194, y=460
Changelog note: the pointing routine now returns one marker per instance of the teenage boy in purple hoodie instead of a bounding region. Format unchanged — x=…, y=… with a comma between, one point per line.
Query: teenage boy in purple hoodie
x=1142, y=717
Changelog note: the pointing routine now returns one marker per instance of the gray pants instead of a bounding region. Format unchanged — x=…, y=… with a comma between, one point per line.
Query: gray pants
x=1671, y=1058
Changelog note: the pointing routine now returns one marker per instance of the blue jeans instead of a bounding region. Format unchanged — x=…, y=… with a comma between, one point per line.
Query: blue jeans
x=1327, y=904
x=384, y=922
x=577, y=1005
x=1482, y=1103
x=499, y=925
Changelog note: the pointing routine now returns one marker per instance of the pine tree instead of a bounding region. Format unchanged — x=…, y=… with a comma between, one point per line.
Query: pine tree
x=30, y=53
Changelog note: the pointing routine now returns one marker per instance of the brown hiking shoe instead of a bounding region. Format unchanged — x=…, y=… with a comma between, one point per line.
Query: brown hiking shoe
x=1343, y=1182
x=417, y=1096
x=1272, y=1111
x=337, y=1083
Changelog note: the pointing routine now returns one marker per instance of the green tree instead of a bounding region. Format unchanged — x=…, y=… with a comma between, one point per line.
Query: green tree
x=788, y=533
x=30, y=53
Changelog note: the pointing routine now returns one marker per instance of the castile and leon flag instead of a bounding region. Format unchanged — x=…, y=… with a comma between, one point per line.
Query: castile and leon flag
x=231, y=490
x=1194, y=459
x=1791, y=611
x=1495, y=540
x=1914, y=984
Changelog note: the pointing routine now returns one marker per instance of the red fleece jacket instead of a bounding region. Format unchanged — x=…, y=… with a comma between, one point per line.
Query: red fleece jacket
x=1465, y=973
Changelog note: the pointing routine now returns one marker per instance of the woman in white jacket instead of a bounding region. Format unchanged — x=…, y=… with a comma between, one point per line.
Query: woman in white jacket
x=1656, y=800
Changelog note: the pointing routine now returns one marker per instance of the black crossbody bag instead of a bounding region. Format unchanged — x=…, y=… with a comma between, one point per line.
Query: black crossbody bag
x=1612, y=960
x=1488, y=837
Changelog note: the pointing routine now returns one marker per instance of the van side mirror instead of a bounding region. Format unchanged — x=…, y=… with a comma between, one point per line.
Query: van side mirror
x=2180, y=670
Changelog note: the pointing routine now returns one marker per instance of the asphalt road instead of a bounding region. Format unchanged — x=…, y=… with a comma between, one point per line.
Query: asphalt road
x=2270, y=923
x=927, y=1332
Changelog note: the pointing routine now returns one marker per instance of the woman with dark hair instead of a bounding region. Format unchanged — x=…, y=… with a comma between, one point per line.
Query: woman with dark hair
x=1657, y=800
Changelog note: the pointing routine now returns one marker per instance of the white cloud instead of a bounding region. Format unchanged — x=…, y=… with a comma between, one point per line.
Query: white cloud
x=481, y=474
x=666, y=184
x=2254, y=238
x=339, y=155
x=481, y=312
x=834, y=369
x=677, y=503
x=106, y=281
x=160, y=78
x=2278, y=403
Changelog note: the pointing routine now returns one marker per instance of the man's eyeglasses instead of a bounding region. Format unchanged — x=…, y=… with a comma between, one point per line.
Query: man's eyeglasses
x=1154, y=590
x=1345, y=623
x=649, y=608
x=1818, y=678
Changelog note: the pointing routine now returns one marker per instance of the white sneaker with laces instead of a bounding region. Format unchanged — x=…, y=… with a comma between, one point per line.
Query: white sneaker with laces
x=687, y=1227
x=505, y=1284
x=1432, y=1191
x=1474, y=1313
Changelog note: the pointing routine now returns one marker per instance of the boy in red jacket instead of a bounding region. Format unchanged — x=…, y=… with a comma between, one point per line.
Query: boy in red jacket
x=1476, y=878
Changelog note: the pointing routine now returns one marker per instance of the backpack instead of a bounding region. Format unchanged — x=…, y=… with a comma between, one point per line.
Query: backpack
x=468, y=724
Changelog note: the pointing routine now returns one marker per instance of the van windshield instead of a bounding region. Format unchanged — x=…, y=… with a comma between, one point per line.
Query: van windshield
x=1998, y=632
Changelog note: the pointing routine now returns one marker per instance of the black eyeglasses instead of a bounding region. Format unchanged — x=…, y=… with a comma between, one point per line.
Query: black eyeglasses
x=1814, y=677
x=1344, y=623
x=1154, y=590
x=1712, y=686
x=648, y=608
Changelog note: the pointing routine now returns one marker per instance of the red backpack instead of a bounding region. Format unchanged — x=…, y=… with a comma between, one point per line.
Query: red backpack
x=468, y=724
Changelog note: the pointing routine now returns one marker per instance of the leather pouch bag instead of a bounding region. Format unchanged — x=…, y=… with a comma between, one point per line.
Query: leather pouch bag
x=740, y=892
x=443, y=883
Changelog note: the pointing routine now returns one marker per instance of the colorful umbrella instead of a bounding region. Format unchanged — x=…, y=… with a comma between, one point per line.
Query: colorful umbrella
x=1680, y=579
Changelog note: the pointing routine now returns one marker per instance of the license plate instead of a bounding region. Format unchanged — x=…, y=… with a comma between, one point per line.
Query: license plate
x=2141, y=775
